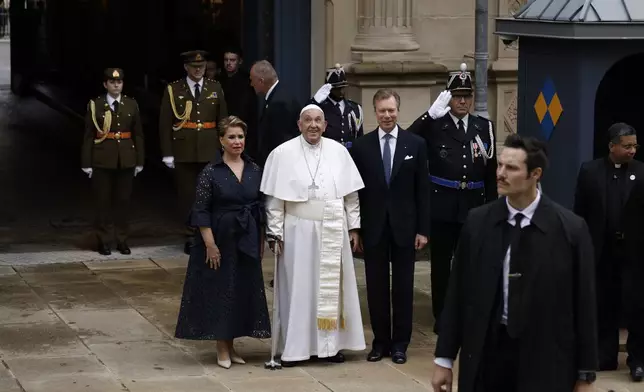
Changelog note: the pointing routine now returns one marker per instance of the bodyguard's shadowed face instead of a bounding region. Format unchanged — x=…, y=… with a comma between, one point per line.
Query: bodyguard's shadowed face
x=312, y=125
x=461, y=105
x=512, y=177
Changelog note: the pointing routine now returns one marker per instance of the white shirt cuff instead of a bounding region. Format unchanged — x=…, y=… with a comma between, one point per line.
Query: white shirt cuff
x=446, y=363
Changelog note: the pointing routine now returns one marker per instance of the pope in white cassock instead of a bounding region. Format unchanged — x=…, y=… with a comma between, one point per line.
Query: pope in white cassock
x=313, y=214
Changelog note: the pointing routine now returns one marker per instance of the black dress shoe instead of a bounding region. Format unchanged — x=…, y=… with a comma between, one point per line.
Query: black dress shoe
x=399, y=357
x=288, y=364
x=337, y=358
x=104, y=249
x=637, y=373
x=123, y=248
x=376, y=354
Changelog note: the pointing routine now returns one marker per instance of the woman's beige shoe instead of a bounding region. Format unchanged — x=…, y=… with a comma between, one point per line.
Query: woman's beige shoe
x=224, y=364
x=237, y=359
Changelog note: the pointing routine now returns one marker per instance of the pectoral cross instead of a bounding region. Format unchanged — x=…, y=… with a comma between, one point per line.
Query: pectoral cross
x=313, y=187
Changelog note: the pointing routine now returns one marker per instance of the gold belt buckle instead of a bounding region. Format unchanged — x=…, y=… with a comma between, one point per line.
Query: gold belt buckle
x=199, y=126
x=463, y=185
x=117, y=136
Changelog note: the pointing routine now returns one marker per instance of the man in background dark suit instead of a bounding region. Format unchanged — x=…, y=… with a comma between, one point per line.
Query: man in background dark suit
x=394, y=208
x=278, y=119
x=604, y=188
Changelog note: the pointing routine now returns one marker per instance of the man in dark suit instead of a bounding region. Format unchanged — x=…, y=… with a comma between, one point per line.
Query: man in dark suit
x=520, y=305
x=604, y=187
x=278, y=119
x=394, y=208
x=241, y=99
x=462, y=165
x=112, y=155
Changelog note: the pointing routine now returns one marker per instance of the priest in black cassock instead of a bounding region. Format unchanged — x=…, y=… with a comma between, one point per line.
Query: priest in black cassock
x=520, y=305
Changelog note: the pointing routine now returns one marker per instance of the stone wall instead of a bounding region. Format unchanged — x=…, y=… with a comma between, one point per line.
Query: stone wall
x=411, y=45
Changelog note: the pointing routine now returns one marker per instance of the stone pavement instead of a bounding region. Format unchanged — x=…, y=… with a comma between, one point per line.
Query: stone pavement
x=107, y=326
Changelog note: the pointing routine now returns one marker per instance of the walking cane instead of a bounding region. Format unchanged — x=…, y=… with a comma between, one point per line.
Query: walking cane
x=273, y=364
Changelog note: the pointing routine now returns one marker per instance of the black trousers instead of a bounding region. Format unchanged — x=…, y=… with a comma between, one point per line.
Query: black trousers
x=377, y=259
x=112, y=190
x=442, y=245
x=186, y=174
x=617, y=290
x=499, y=366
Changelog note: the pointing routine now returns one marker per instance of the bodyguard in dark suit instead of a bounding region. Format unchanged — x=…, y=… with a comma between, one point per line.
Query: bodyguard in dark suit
x=344, y=117
x=521, y=300
x=241, y=100
x=191, y=109
x=112, y=155
x=394, y=213
x=462, y=167
x=604, y=188
x=278, y=118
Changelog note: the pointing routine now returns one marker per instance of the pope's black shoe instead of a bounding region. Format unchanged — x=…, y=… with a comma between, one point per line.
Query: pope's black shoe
x=123, y=248
x=337, y=358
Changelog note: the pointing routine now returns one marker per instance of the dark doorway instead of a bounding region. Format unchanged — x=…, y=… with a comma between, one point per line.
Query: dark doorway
x=618, y=99
x=57, y=67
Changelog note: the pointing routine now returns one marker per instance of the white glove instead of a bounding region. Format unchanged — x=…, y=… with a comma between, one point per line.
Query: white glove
x=138, y=170
x=323, y=93
x=440, y=107
x=88, y=171
x=169, y=162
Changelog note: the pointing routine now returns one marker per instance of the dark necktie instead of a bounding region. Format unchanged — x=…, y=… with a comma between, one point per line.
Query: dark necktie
x=515, y=279
x=461, y=126
x=116, y=106
x=197, y=92
x=386, y=157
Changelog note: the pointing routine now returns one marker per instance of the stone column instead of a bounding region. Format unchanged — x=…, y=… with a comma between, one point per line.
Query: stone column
x=384, y=26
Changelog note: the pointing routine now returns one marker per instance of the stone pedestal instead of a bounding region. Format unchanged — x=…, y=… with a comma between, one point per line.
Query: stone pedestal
x=384, y=26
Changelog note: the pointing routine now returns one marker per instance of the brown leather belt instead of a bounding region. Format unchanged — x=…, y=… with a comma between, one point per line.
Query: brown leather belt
x=118, y=135
x=204, y=125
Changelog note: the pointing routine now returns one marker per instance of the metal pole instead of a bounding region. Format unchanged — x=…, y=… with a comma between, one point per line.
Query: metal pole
x=480, y=58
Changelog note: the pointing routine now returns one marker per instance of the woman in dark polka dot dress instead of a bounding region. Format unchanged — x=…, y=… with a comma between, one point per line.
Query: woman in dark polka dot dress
x=223, y=295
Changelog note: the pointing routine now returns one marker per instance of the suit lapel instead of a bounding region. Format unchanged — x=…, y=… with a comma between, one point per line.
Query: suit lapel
x=205, y=91
x=630, y=180
x=399, y=154
x=473, y=129
x=602, y=173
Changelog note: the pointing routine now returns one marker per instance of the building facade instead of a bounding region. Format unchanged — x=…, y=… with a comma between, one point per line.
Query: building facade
x=411, y=45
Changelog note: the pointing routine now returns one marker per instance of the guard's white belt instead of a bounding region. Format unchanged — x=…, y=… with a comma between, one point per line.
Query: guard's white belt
x=309, y=210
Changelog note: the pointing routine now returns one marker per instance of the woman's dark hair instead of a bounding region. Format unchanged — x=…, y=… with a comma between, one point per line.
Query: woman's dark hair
x=231, y=122
x=537, y=155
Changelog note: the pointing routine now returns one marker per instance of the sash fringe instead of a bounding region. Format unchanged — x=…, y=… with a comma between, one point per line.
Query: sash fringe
x=327, y=324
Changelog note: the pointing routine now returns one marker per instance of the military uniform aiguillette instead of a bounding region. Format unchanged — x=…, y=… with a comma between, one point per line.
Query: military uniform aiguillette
x=462, y=167
x=188, y=128
x=113, y=146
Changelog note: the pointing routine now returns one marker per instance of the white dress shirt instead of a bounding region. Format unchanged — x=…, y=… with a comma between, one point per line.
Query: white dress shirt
x=392, y=142
x=270, y=90
x=192, y=84
x=528, y=213
x=465, y=120
x=110, y=101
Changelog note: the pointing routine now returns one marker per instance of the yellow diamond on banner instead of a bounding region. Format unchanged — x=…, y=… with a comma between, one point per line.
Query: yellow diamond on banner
x=555, y=109
x=540, y=107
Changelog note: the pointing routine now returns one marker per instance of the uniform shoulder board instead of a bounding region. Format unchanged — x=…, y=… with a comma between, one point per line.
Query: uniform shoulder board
x=483, y=118
x=175, y=82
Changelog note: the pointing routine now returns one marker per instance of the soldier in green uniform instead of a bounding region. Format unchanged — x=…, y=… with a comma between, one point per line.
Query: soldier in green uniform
x=112, y=155
x=190, y=112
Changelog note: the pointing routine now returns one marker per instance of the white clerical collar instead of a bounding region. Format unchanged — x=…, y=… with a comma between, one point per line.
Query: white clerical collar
x=270, y=90
x=110, y=100
x=309, y=145
x=528, y=212
x=192, y=83
x=393, y=133
x=456, y=119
